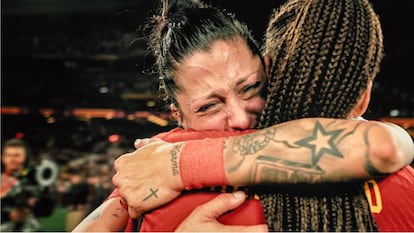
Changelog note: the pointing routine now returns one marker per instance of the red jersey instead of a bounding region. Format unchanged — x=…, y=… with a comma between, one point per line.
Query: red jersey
x=169, y=216
x=392, y=200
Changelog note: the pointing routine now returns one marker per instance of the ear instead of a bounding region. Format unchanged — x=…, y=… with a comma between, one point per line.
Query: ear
x=363, y=102
x=175, y=113
x=267, y=61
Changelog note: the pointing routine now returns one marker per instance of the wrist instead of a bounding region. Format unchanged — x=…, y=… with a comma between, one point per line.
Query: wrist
x=202, y=163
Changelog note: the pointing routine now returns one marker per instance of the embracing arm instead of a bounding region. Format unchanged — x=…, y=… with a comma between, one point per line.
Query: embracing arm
x=317, y=150
x=305, y=150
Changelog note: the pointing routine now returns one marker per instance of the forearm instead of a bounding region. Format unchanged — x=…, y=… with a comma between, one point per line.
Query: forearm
x=306, y=150
x=316, y=150
x=108, y=217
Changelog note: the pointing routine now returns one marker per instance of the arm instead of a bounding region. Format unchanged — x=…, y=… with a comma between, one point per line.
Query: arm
x=306, y=150
x=317, y=150
x=108, y=217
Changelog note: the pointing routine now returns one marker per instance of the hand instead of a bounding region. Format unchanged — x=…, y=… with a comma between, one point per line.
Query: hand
x=149, y=177
x=204, y=217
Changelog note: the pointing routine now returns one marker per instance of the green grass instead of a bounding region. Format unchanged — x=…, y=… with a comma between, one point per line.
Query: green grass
x=56, y=221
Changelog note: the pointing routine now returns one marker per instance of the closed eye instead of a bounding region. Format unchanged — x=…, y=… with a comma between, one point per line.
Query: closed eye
x=207, y=107
x=252, y=90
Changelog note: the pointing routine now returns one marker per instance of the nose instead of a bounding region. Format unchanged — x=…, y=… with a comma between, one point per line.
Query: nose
x=238, y=117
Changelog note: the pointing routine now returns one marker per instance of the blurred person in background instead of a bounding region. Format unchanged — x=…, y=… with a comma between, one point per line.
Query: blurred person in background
x=23, y=198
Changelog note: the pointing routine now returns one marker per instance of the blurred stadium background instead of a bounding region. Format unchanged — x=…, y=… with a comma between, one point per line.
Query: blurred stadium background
x=76, y=83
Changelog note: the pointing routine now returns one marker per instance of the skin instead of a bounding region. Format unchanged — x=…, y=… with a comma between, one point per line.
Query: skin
x=219, y=89
x=13, y=158
x=204, y=216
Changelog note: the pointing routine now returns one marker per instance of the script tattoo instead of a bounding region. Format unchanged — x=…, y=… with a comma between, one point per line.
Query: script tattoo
x=174, y=157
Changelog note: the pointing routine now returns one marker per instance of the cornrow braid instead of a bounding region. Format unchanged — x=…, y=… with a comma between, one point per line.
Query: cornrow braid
x=324, y=53
x=318, y=207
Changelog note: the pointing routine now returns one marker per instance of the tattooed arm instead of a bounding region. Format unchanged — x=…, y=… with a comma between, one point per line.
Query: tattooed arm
x=324, y=150
x=306, y=150
x=110, y=216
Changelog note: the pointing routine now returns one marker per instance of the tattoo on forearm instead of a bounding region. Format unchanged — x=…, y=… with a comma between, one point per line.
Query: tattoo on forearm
x=321, y=141
x=116, y=214
x=250, y=144
x=270, y=169
x=152, y=194
x=174, y=159
x=369, y=166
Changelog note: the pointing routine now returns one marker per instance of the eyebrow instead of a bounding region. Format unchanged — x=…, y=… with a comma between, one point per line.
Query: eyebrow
x=215, y=94
x=244, y=78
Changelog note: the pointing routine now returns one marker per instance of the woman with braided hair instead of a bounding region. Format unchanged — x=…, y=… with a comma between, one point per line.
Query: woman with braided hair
x=300, y=130
x=326, y=55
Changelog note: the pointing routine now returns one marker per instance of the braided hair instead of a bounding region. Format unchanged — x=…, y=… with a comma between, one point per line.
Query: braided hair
x=324, y=53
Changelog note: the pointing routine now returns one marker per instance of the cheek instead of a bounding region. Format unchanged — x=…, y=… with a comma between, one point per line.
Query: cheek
x=255, y=104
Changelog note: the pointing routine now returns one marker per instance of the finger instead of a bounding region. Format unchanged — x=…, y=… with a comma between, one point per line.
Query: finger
x=115, y=180
x=134, y=213
x=223, y=203
x=118, y=164
x=120, y=161
x=254, y=228
x=140, y=142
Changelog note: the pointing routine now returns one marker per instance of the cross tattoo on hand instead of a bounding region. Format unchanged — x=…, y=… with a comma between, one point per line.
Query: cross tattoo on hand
x=153, y=193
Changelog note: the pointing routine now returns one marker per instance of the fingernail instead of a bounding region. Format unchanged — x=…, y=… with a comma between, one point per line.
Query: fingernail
x=239, y=195
x=137, y=141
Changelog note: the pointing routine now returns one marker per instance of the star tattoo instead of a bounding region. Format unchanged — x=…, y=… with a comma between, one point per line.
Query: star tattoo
x=321, y=142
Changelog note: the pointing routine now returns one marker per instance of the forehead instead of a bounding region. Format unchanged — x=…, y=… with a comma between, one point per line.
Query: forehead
x=224, y=61
x=13, y=150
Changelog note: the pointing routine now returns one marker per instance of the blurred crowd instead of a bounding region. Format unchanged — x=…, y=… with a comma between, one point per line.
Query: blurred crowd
x=80, y=153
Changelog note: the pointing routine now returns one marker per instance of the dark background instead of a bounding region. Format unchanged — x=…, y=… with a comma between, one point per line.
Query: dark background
x=62, y=61
x=69, y=54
